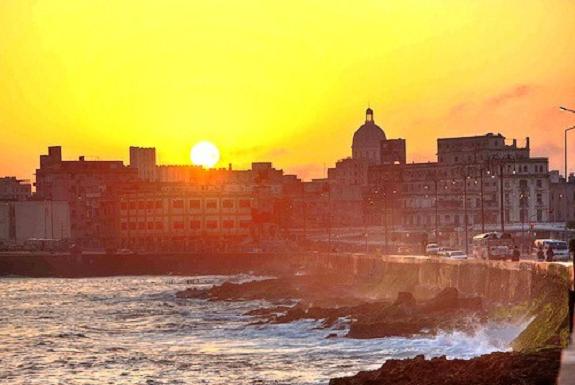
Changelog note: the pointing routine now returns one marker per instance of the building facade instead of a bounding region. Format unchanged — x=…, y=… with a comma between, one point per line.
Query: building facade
x=13, y=189
x=23, y=221
x=90, y=188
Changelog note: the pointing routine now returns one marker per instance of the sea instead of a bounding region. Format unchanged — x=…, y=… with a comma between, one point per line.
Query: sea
x=133, y=330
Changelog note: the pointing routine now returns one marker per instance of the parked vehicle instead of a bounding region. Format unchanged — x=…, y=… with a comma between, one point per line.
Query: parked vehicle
x=431, y=249
x=560, y=248
x=494, y=246
x=443, y=251
x=456, y=254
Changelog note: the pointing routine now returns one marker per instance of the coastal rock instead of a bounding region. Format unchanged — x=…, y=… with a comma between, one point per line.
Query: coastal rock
x=536, y=368
x=405, y=317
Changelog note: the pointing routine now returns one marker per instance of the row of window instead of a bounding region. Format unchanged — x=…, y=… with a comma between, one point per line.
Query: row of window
x=192, y=204
x=192, y=225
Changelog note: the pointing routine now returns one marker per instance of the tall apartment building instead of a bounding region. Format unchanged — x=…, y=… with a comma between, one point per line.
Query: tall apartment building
x=90, y=188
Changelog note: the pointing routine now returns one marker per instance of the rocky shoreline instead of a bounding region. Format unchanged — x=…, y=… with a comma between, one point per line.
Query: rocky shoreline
x=510, y=368
x=319, y=299
x=331, y=299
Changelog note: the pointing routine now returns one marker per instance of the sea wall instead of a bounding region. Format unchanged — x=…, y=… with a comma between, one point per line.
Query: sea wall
x=380, y=276
x=498, y=281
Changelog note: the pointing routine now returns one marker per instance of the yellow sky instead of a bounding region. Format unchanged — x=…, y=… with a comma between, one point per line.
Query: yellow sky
x=282, y=81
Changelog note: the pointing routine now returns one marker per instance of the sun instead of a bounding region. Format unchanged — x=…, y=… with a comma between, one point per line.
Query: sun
x=205, y=154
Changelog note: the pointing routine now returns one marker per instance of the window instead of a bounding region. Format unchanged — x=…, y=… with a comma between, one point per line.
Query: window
x=178, y=204
x=195, y=204
x=178, y=225
x=150, y=225
x=141, y=205
x=132, y=225
x=195, y=224
x=123, y=205
x=159, y=225
x=228, y=224
x=539, y=198
x=124, y=226
x=244, y=224
x=212, y=204
x=228, y=204
x=132, y=205
x=212, y=224
x=539, y=183
x=141, y=225
x=159, y=204
x=150, y=205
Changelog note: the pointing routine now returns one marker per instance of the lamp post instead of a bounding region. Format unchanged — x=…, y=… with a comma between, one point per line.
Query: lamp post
x=566, y=131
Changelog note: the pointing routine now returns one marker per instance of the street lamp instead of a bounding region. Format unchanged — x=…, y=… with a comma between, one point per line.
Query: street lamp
x=566, y=131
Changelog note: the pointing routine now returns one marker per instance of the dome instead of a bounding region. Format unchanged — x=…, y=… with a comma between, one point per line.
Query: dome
x=366, y=144
x=369, y=134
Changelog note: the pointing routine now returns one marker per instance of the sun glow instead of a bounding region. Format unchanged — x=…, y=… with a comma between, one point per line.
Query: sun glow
x=205, y=154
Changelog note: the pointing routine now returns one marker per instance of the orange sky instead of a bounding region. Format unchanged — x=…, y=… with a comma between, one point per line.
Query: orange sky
x=280, y=81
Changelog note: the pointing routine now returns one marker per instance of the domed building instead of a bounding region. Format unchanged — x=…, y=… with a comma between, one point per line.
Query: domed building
x=367, y=140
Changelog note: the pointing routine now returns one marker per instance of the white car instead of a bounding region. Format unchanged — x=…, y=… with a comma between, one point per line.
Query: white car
x=456, y=254
x=431, y=249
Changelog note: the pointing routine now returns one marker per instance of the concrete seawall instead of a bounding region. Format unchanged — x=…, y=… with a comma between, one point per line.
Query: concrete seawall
x=499, y=281
x=385, y=276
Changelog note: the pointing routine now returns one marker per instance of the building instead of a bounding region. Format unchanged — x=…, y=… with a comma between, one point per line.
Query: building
x=477, y=183
x=144, y=160
x=22, y=221
x=181, y=217
x=562, y=199
x=13, y=189
x=90, y=188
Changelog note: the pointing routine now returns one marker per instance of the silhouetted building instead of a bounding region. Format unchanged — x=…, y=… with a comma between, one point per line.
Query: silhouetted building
x=144, y=160
x=562, y=198
x=89, y=187
x=14, y=189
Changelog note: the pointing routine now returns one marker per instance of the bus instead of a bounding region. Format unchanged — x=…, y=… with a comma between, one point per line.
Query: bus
x=560, y=248
x=493, y=246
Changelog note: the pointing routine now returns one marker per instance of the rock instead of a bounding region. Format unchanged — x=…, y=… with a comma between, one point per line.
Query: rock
x=513, y=368
x=404, y=298
x=447, y=299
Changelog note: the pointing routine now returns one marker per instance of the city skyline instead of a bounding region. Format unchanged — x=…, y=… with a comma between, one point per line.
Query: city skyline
x=226, y=74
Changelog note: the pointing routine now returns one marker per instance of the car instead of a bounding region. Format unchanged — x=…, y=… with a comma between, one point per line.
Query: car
x=456, y=254
x=431, y=249
x=443, y=251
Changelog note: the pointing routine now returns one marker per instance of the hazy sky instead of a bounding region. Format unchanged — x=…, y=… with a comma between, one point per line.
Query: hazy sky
x=286, y=81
